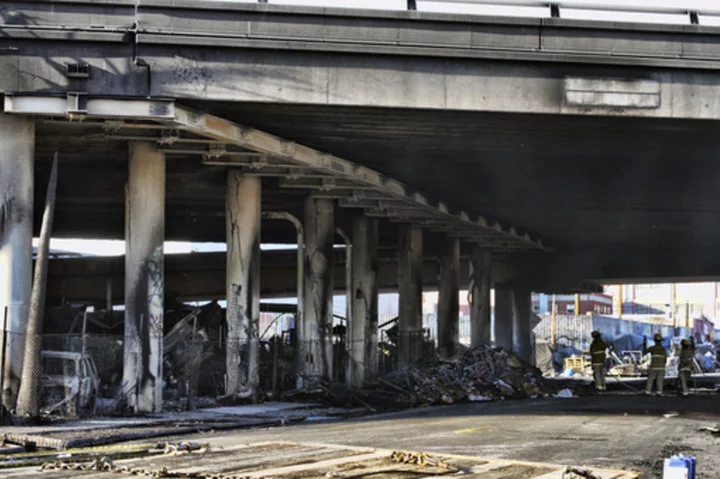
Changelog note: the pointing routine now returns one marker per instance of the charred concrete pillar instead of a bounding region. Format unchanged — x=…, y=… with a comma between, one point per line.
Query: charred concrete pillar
x=504, y=317
x=410, y=267
x=363, y=330
x=17, y=160
x=144, y=277
x=315, y=331
x=242, y=219
x=448, y=314
x=480, y=284
x=522, y=315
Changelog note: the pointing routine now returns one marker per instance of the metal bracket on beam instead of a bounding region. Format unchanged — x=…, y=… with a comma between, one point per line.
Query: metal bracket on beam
x=215, y=152
x=111, y=127
x=328, y=184
x=168, y=137
x=77, y=105
x=257, y=162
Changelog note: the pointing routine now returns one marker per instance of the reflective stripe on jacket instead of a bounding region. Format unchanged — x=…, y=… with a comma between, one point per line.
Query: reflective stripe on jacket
x=686, y=359
x=597, y=349
x=658, y=357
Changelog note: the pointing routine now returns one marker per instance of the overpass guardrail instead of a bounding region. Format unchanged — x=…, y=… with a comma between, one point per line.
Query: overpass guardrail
x=693, y=12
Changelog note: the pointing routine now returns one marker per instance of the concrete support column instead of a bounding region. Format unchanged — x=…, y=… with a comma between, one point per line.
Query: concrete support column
x=522, y=315
x=144, y=277
x=363, y=330
x=480, y=284
x=410, y=267
x=315, y=331
x=17, y=160
x=448, y=315
x=504, y=317
x=242, y=220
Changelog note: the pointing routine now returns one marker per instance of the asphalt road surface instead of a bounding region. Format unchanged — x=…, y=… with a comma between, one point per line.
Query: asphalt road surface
x=615, y=431
x=618, y=431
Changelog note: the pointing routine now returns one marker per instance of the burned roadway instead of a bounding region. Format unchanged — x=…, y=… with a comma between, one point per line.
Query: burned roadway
x=545, y=153
x=612, y=432
x=620, y=432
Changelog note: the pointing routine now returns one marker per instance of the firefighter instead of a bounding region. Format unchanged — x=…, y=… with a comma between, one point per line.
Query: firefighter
x=686, y=364
x=597, y=350
x=658, y=359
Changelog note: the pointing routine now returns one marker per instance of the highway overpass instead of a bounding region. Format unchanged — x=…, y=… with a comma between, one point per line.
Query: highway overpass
x=548, y=152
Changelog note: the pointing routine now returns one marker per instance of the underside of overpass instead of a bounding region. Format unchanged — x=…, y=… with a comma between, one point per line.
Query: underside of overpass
x=579, y=182
x=617, y=199
x=538, y=154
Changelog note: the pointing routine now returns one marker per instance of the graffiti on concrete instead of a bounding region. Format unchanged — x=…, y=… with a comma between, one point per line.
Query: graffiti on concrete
x=156, y=292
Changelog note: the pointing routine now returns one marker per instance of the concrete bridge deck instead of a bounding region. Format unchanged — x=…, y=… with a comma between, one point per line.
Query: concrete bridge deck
x=545, y=151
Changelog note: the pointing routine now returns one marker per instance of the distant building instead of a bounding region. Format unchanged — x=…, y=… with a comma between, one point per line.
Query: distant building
x=679, y=304
x=595, y=303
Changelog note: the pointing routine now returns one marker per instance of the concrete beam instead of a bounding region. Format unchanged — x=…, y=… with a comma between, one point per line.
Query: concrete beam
x=407, y=203
x=17, y=160
x=242, y=217
x=201, y=276
x=584, y=270
x=319, y=56
x=448, y=315
x=410, y=291
x=144, y=278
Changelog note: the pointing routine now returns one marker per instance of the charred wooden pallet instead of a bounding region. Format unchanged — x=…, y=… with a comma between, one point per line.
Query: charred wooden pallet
x=286, y=460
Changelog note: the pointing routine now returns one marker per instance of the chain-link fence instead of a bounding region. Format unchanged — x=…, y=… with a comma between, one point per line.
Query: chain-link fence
x=569, y=330
x=83, y=373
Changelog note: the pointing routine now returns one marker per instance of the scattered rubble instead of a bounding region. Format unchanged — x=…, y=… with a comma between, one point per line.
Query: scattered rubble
x=715, y=431
x=479, y=374
x=565, y=393
x=576, y=473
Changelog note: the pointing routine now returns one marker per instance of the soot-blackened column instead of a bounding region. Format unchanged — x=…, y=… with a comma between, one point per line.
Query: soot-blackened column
x=315, y=331
x=480, y=284
x=17, y=160
x=448, y=315
x=504, y=317
x=242, y=219
x=410, y=269
x=144, y=277
x=522, y=322
x=364, y=326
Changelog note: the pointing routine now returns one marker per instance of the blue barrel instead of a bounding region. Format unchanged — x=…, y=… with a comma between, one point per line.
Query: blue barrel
x=679, y=467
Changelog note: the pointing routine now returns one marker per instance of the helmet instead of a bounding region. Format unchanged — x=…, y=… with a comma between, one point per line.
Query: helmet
x=658, y=337
x=685, y=342
x=595, y=334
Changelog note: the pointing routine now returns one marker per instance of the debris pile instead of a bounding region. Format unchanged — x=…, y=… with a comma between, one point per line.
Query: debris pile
x=479, y=374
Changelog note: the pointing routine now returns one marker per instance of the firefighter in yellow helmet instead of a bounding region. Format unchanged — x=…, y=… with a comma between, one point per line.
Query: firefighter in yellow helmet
x=597, y=350
x=658, y=359
x=686, y=364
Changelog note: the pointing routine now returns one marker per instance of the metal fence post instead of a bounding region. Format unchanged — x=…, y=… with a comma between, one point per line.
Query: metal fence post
x=2, y=361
